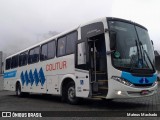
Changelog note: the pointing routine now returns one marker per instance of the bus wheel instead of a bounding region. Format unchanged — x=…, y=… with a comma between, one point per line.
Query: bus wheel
x=18, y=90
x=71, y=94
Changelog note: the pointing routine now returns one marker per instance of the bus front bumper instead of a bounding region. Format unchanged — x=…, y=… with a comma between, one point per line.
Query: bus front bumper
x=119, y=90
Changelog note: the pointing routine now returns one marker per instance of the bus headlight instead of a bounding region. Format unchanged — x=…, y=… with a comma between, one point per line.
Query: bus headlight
x=119, y=92
x=121, y=80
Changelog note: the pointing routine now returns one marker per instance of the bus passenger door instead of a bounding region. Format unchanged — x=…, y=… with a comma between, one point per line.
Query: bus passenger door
x=97, y=66
x=81, y=70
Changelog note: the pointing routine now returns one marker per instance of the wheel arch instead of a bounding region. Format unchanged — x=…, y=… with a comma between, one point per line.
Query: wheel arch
x=65, y=80
x=16, y=83
x=66, y=85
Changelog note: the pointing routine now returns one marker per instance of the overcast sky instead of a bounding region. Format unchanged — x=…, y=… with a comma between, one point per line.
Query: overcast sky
x=23, y=22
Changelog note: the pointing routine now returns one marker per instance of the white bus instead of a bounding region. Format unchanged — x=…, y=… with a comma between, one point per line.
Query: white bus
x=106, y=58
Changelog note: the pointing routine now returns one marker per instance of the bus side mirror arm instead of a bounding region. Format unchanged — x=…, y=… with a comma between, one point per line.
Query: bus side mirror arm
x=110, y=52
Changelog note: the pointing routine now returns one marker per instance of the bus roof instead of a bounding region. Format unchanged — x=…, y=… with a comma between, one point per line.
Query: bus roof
x=75, y=28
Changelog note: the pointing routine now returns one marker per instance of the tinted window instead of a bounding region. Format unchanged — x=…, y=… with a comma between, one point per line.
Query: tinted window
x=8, y=63
x=44, y=52
x=14, y=62
x=71, y=40
x=48, y=51
x=30, y=57
x=33, y=55
x=51, y=49
x=23, y=58
x=36, y=54
x=20, y=59
x=61, y=46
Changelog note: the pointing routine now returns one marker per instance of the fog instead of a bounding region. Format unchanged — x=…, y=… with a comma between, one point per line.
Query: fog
x=26, y=22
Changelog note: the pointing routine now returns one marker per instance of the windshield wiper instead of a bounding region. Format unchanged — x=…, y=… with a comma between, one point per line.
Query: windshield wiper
x=133, y=56
x=144, y=51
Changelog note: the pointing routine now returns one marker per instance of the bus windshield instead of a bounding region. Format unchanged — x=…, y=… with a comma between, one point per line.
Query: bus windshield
x=133, y=48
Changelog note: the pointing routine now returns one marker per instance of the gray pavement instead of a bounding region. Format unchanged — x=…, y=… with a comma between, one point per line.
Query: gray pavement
x=10, y=102
x=1, y=82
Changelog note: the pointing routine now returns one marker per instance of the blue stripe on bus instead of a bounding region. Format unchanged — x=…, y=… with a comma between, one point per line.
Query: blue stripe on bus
x=26, y=78
x=22, y=78
x=139, y=80
x=33, y=77
x=10, y=74
x=36, y=77
x=41, y=76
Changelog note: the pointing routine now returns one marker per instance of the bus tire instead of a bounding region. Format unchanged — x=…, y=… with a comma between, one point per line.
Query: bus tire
x=71, y=94
x=19, y=93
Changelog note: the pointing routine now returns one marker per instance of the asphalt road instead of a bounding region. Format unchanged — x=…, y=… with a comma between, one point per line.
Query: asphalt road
x=1, y=83
x=10, y=102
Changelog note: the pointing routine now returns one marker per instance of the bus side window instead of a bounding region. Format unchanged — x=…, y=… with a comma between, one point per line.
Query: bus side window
x=51, y=49
x=25, y=56
x=71, y=42
x=8, y=64
x=48, y=51
x=20, y=59
x=14, y=61
x=61, y=46
x=36, y=55
x=43, y=55
x=33, y=55
x=81, y=58
x=30, y=57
